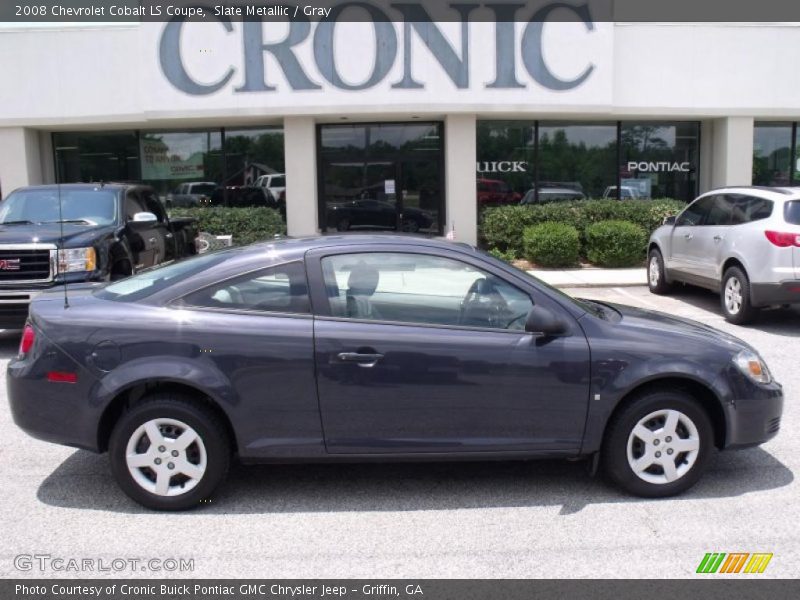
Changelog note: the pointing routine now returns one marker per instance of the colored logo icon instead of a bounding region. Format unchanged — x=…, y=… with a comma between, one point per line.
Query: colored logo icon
x=734, y=562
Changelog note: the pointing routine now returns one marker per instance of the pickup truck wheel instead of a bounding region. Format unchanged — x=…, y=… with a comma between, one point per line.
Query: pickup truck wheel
x=168, y=452
x=120, y=270
x=658, y=445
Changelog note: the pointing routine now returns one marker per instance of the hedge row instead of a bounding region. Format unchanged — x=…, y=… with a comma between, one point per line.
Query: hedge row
x=502, y=227
x=246, y=225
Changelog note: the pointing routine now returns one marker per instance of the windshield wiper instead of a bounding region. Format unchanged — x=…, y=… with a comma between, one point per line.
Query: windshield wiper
x=17, y=223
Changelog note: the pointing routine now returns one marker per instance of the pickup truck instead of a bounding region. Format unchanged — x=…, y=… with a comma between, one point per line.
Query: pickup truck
x=73, y=233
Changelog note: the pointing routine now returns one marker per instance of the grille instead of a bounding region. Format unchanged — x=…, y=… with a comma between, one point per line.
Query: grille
x=33, y=264
x=773, y=425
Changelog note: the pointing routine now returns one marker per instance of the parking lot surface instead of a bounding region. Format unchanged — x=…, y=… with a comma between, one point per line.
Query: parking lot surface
x=519, y=519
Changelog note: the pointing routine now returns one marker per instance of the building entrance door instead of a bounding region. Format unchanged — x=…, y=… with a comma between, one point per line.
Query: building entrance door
x=381, y=177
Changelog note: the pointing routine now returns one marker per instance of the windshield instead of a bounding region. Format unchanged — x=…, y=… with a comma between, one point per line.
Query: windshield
x=86, y=206
x=153, y=280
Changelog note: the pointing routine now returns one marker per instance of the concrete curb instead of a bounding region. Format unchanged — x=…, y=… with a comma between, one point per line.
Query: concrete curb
x=592, y=278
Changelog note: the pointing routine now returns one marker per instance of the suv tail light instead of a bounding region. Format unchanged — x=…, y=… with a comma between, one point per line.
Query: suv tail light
x=783, y=240
x=28, y=337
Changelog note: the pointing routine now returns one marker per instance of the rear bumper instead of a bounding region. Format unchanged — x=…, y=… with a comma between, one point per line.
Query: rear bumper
x=766, y=294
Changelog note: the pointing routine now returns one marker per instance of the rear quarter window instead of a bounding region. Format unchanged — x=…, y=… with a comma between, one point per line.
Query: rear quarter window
x=791, y=212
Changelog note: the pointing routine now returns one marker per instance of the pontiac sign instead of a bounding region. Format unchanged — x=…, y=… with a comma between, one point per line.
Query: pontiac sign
x=521, y=56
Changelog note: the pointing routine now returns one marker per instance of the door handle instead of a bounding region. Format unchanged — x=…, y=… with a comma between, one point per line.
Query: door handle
x=361, y=359
x=688, y=236
x=152, y=240
x=717, y=238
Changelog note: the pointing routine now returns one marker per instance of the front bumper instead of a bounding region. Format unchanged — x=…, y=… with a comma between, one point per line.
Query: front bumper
x=767, y=294
x=14, y=307
x=754, y=414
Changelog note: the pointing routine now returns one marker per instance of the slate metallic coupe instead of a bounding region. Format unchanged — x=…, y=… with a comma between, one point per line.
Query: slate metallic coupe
x=376, y=347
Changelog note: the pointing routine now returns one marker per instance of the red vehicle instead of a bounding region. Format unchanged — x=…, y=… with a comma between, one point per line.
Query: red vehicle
x=494, y=191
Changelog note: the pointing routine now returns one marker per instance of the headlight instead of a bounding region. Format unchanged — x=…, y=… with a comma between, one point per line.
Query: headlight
x=753, y=366
x=76, y=259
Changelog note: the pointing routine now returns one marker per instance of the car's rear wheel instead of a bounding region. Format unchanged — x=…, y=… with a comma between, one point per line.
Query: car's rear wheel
x=656, y=273
x=168, y=452
x=735, y=297
x=659, y=444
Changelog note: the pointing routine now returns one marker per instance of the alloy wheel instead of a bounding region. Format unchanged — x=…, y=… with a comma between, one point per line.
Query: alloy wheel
x=663, y=446
x=733, y=295
x=654, y=271
x=166, y=457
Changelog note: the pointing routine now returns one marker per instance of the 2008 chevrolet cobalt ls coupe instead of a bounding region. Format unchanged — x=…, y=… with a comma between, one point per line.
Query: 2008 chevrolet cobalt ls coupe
x=376, y=347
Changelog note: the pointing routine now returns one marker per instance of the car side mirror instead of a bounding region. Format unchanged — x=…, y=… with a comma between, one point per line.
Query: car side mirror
x=670, y=220
x=544, y=322
x=142, y=220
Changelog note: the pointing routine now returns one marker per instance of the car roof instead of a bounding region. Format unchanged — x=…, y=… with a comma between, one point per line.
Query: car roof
x=299, y=246
x=83, y=186
x=777, y=193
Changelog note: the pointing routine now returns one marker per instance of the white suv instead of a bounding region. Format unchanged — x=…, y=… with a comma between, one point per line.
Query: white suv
x=743, y=242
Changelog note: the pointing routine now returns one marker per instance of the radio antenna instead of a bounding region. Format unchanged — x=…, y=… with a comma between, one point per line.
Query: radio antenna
x=60, y=251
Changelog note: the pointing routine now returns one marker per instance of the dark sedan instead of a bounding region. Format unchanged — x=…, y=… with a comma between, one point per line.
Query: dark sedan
x=365, y=347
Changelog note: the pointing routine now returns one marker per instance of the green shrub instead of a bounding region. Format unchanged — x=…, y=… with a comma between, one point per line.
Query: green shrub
x=552, y=244
x=615, y=243
x=246, y=225
x=502, y=227
x=507, y=256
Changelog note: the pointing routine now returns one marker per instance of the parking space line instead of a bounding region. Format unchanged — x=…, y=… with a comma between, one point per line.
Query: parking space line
x=636, y=298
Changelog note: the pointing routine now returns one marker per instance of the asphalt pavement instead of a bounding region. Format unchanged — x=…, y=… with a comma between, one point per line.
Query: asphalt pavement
x=518, y=519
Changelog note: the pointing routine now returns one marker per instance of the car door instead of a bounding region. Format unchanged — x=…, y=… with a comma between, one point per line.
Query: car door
x=423, y=352
x=161, y=237
x=683, y=251
x=709, y=238
x=142, y=235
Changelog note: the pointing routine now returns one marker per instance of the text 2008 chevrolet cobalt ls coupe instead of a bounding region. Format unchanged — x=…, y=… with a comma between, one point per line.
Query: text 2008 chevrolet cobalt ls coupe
x=376, y=347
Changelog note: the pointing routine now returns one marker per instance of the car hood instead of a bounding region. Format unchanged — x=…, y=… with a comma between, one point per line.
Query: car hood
x=654, y=322
x=75, y=235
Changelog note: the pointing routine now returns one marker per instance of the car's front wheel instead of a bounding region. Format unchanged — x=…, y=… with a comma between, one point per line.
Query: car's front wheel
x=168, y=452
x=659, y=444
x=656, y=273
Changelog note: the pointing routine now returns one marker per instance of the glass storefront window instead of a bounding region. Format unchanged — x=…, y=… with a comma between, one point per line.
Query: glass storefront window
x=382, y=176
x=659, y=160
x=91, y=157
x=251, y=153
x=772, y=149
x=577, y=160
x=505, y=171
x=175, y=163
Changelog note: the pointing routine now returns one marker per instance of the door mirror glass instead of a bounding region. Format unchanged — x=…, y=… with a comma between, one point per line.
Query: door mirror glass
x=544, y=322
x=670, y=220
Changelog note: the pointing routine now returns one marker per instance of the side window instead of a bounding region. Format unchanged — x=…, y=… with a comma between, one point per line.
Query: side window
x=154, y=206
x=758, y=208
x=720, y=212
x=695, y=213
x=277, y=289
x=421, y=289
x=133, y=205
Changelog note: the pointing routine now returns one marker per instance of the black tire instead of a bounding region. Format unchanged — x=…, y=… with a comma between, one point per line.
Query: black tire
x=737, y=279
x=120, y=270
x=614, y=457
x=410, y=226
x=343, y=224
x=656, y=273
x=185, y=410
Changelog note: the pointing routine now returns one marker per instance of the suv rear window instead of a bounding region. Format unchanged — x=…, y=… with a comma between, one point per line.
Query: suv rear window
x=791, y=212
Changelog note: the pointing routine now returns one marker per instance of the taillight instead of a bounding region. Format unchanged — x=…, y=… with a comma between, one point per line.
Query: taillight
x=26, y=343
x=783, y=240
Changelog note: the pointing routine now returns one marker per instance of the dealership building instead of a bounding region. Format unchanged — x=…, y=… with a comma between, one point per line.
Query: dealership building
x=413, y=125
